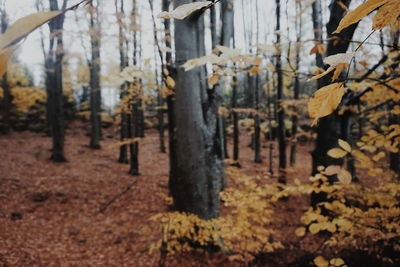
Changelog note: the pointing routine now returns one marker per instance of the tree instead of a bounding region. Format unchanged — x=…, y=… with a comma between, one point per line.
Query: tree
x=330, y=128
x=95, y=88
x=54, y=84
x=195, y=175
x=281, y=113
x=3, y=82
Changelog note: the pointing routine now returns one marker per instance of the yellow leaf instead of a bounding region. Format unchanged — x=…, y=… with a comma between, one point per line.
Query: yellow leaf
x=185, y=10
x=336, y=262
x=316, y=77
x=5, y=56
x=344, y=177
x=301, y=231
x=170, y=82
x=321, y=262
x=337, y=153
x=338, y=70
x=386, y=15
x=360, y=12
x=314, y=228
x=343, y=144
x=325, y=100
x=213, y=80
x=331, y=170
x=22, y=27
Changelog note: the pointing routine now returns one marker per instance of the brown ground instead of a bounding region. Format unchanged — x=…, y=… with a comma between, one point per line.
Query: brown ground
x=49, y=212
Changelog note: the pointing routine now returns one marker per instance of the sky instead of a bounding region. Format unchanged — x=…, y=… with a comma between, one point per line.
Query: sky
x=31, y=55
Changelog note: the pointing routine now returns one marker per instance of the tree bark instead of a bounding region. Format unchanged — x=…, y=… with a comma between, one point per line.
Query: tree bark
x=281, y=114
x=195, y=179
x=54, y=84
x=95, y=88
x=123, y=63
x=4, y=83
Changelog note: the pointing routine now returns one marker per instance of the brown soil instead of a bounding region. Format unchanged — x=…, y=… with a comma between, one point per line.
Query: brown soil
x=49, y=213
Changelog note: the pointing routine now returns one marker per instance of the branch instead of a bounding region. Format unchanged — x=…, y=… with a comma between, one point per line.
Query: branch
x=108, y=203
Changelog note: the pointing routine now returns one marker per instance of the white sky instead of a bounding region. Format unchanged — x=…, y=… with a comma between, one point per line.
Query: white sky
x=31, y=53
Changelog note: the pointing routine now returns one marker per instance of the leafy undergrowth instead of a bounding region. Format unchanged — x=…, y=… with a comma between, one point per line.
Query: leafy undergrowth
x=49, y=213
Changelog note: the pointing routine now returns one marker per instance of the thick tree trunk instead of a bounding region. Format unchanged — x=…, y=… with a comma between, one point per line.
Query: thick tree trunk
x=54, y=84
x=95, y=89
x=196, y=173
x=329, y=128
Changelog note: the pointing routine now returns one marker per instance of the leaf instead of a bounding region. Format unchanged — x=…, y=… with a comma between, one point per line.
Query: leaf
x=386, y=15
x=170, y=82
x=337, y=153
x=344, y=177
x=338, y=70
x=195, y=62
x=360, y=12
x=321, y=262
x=325, y=100
x=316, y=77
x=314, y=228
x=301, y=231
x=343, y=144
x=336, y=262
x=22, y=27
x=185, y=10
x=213, y=80
x=331, y=170
x=5, y=56
x=336, y=59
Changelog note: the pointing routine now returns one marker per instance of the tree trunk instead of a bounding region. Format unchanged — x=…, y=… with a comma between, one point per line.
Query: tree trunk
x=123, y=62
x=4, y=83
x=281, y=114
x=329, y=128
x=195, y=179
x=55, y=98
x=95, y=89
x=296, y=89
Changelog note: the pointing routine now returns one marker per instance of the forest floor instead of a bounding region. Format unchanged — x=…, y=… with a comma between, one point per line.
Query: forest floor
x=50, y=213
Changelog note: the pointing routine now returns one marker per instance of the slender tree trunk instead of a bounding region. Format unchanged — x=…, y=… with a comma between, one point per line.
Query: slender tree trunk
x=3, y=81
x=54, y=84
x=296, y=89
x=123, y=63
x=281, y=114
x=196, y=176
x=95, y=88
x=257, y=130
x=134, y=117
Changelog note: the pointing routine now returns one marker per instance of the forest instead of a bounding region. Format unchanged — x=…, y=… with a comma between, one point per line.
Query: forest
x=200, y=133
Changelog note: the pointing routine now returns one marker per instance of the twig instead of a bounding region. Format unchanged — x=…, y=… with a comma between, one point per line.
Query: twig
x=108, y=203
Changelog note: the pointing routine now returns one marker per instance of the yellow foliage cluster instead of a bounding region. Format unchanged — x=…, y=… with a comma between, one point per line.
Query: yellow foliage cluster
x=25, y=98
x=244, y=232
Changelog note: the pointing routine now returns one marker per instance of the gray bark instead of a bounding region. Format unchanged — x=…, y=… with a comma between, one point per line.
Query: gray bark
x=54, y=85
x=195, y=178
x=95, y=88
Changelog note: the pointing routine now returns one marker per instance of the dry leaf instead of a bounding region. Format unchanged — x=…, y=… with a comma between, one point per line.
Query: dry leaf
x=336, y=59
x=337, y=153
x=343, y=144
x=185, y=10
x=339, y=70
x=325, y=100
x=5, y=56
x=316, y=77
x=301, y=231
x=170, y=82
x=22, y=27
x=360, y=12
x=321, y=262
x=213, y=80
x=386, y=15
x=332, y=170
x=344, y=177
